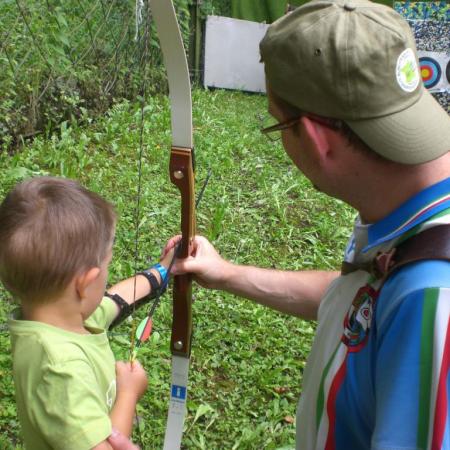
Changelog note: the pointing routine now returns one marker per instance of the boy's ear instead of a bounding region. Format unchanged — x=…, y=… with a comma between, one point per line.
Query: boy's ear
x=85, y=279
x=316, y=134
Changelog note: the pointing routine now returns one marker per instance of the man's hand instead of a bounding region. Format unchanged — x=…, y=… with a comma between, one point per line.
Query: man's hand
x=120, y=442
x=131, y=379
x=209, y=269
x=297, y=293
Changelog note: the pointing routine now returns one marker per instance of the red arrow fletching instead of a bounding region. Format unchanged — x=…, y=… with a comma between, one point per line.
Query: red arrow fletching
x=144, y=330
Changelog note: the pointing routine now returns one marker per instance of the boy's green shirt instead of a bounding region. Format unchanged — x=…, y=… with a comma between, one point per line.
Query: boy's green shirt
x=65, y=382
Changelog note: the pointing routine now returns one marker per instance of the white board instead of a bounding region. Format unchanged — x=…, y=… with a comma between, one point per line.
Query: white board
x=232, y=54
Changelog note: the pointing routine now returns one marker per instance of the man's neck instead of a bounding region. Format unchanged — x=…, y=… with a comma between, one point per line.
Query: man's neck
x=392, y=187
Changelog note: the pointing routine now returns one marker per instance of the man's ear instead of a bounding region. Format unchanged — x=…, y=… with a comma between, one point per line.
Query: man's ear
x=316, y=135
x=85, y=279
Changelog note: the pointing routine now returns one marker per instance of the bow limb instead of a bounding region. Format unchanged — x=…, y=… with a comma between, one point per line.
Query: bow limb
x=182, y=175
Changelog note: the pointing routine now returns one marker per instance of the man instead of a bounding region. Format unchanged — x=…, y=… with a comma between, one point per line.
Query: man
x=344, y=85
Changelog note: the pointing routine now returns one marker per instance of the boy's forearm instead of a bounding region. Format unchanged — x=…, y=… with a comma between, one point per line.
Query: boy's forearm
x=122, y=414
x=131, y=290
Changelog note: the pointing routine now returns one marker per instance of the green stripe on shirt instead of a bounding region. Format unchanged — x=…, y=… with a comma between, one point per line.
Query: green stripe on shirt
x=426, y=364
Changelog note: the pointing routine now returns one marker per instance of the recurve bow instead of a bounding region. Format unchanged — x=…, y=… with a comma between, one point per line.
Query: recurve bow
x=182, y=175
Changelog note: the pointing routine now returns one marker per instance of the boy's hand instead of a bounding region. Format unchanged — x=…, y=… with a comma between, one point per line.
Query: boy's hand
x=166, y=259
x=210, y=270
x=131, y=379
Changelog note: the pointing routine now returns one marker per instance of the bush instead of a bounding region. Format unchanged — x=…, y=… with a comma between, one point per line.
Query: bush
x=66, y=60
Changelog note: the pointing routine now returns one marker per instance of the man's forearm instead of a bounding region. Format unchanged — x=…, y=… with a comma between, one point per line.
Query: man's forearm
x=297, y=293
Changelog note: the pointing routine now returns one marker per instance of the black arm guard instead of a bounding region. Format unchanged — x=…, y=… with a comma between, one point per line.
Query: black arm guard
x=125, y=309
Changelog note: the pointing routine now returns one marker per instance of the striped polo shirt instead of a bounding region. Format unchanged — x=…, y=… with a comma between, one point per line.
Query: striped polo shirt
x=378, y=376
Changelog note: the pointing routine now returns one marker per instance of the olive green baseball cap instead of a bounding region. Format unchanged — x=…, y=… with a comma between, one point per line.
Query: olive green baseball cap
x=356, y=61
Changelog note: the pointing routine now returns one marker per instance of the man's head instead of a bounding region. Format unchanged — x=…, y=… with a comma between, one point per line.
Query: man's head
x=355, y=61
x=51, y=229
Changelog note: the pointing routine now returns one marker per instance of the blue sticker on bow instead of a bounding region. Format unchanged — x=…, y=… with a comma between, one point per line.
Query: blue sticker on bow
x=178, y=392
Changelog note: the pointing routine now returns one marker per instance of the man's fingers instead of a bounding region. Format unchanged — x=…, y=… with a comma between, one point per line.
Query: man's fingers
x=182, y=266
x=120, y=442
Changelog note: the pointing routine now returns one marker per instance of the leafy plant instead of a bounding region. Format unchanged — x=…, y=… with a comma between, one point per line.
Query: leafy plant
x=61, y=59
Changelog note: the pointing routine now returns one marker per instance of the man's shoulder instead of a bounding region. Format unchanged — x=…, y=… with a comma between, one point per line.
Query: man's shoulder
x=418, y=276
x=413, y=281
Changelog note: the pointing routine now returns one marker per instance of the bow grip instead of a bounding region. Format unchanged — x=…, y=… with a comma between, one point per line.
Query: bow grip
x=182, y=176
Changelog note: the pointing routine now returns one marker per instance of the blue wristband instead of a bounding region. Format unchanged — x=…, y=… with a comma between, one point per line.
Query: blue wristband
x=162, y=272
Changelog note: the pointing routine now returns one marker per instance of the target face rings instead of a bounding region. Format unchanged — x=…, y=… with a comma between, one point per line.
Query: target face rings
x=430, y=71
x=447, y=71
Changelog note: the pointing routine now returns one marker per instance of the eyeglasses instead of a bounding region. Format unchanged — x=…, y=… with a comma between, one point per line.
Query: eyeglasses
x=289, y=123
x=280, y=126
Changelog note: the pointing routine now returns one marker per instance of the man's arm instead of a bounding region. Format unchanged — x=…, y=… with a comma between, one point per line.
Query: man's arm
x=296, y=293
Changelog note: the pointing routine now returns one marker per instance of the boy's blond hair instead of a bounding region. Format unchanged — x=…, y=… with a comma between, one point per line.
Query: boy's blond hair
x=51, y=229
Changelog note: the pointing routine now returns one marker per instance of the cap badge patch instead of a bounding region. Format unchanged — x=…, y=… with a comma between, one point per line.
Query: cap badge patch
x=407, y=72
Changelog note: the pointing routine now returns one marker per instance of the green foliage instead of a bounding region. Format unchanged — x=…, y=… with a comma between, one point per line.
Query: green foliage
x=63, y=59
x=247, y=361
x=216, y=7
x=68, y=60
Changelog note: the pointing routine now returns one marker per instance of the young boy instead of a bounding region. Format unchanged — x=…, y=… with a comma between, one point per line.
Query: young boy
x=56, y=244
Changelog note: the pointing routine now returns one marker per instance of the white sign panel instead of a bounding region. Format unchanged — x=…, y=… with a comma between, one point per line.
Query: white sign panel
x=232, y=54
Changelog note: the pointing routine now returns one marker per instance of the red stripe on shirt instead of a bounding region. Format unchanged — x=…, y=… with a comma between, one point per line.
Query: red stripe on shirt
x=331, y=404
x=440, y=417
x=421, y=213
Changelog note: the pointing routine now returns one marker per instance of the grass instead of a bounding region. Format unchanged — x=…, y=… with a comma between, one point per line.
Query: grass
x=247, y=361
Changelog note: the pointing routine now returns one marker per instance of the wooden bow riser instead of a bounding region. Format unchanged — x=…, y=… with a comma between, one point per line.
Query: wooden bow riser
x=182, y=176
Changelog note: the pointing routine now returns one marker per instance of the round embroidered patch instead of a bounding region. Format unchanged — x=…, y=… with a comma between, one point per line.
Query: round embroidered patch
x=358, y=320
x=407, y=72
x=430, y=71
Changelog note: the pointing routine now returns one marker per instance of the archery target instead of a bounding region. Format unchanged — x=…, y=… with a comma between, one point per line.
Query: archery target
x=447, y=71
x=430, y=71
x=435, y=70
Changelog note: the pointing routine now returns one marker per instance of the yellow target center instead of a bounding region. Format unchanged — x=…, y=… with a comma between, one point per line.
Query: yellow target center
x=425, y=72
